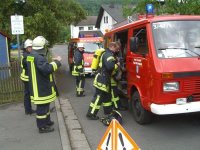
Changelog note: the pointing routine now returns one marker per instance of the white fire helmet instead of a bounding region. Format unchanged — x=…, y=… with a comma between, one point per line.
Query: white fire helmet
x=80, y=45
x=28, y=43
x=39, y=43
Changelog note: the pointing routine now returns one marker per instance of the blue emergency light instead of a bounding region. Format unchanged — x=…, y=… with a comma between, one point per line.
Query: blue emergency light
x=149, y=9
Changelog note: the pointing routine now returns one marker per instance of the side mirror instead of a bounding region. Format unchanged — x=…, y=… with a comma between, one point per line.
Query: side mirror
x=134, y=44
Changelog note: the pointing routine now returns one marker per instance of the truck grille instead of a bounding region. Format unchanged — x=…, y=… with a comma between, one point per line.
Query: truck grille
x=193, y=88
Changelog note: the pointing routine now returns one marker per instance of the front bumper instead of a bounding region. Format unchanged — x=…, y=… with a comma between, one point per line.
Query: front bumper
x=175, y=108
x=88, y=70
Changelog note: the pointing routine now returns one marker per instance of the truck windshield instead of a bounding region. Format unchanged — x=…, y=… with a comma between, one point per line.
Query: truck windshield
x=91, y=47
x=175, y=39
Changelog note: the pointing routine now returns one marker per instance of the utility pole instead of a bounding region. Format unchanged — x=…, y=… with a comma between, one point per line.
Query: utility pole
x=18, y=25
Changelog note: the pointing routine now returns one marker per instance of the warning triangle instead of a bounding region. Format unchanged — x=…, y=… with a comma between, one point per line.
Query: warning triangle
x=116, y=138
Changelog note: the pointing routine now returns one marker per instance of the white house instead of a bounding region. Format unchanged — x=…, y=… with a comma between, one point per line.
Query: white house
x=85, y=28
x=108, y=16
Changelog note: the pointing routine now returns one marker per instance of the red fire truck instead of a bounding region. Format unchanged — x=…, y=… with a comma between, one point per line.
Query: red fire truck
x=90, y=44
x=162, y=59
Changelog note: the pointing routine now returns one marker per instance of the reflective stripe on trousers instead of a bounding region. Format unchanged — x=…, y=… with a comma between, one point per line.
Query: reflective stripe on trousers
x=115, y=97
x=42, y=115
x=80, y=83
x=99, y=98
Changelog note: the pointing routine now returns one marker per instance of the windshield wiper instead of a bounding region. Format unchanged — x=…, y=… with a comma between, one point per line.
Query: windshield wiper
x=183, y=48
x=165, y=48
x=195, y=52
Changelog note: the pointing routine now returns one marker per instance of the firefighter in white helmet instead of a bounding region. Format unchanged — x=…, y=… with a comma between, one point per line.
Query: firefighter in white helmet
x=25, y=78
x=41, y=83
x=78, y=69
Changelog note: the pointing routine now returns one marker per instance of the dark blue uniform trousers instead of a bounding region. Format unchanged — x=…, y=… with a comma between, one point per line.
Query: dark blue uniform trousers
x=27, y=99
x=43, y=115
x=80, y=83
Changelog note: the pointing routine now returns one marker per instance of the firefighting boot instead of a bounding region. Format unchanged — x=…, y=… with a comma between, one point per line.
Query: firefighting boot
x=92, y=116
x=50, y=123
x=46, y=129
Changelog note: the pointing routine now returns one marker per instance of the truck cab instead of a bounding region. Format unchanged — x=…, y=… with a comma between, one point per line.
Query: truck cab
x=161, y=55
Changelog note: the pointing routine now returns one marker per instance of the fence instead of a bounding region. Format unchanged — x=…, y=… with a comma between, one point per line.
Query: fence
x=11, y=87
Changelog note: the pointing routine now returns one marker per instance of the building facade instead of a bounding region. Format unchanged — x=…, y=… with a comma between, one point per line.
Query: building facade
x=86, y=26
x=108, y=16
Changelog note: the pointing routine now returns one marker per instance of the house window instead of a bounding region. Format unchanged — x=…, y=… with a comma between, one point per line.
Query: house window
x=90, y=28
x=81, y=28
x=106, y=19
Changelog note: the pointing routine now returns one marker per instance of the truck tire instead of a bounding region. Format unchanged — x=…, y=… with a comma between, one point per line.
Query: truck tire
x=140, y=115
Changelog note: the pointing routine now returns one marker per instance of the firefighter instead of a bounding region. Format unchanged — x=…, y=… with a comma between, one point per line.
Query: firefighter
x=78, y=69
x=102, y=84
x=116, y=76
x=41, y=83
x=25, y=78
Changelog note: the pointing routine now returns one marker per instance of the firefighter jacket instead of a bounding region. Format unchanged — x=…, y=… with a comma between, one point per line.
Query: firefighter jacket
x=107, y=64
x=78, y=69
x=24, y=69
x=115, y=72
x=41, y=84
x=113, y=77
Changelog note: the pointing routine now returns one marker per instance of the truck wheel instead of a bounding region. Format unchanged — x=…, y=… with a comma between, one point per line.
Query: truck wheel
x=140, y=115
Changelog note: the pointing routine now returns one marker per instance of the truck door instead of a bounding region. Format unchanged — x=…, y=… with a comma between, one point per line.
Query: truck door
x=71, y=48
x=138, y=63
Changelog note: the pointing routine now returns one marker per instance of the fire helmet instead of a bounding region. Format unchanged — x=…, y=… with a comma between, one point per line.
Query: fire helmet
x=28, y=43
x=80, y=45
x=39, y=43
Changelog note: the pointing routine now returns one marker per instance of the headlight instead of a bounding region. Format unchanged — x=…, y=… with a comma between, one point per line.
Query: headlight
x=87, y=64
x=170, y=86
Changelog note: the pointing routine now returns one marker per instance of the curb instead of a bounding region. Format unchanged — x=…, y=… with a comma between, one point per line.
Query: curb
x=74, y=130
x=62, y=129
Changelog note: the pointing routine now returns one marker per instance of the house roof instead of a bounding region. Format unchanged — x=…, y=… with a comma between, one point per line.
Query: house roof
x=90, y=20
x=115, y=11
x=4, y=34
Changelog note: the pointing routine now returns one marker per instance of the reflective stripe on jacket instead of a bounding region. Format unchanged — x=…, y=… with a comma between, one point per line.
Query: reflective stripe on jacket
x=41, y=82
x=75, y=71
x=113, y=81
x=98, y=83
x=102, y=80
x=24, y=72
x=78, y=68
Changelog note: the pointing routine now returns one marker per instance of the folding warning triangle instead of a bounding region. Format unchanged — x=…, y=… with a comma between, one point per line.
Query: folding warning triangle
x=116, y=138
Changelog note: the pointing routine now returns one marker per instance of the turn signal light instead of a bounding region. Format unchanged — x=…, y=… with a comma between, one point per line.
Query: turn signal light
x=167, y=75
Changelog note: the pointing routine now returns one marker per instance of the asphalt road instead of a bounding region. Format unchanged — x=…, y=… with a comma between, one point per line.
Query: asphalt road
x=173, y=132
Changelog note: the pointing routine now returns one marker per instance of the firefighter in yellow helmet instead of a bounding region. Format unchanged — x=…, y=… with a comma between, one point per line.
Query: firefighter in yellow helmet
x=78, y=69
x=25, y=78
x=42, y=86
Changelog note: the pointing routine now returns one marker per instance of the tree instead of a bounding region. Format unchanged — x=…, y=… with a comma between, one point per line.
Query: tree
x=183, y=7
x=128, y=7
x=42, y=17
x=92, y=6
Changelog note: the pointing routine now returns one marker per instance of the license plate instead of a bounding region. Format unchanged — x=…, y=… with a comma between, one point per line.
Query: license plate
x=181, y=101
